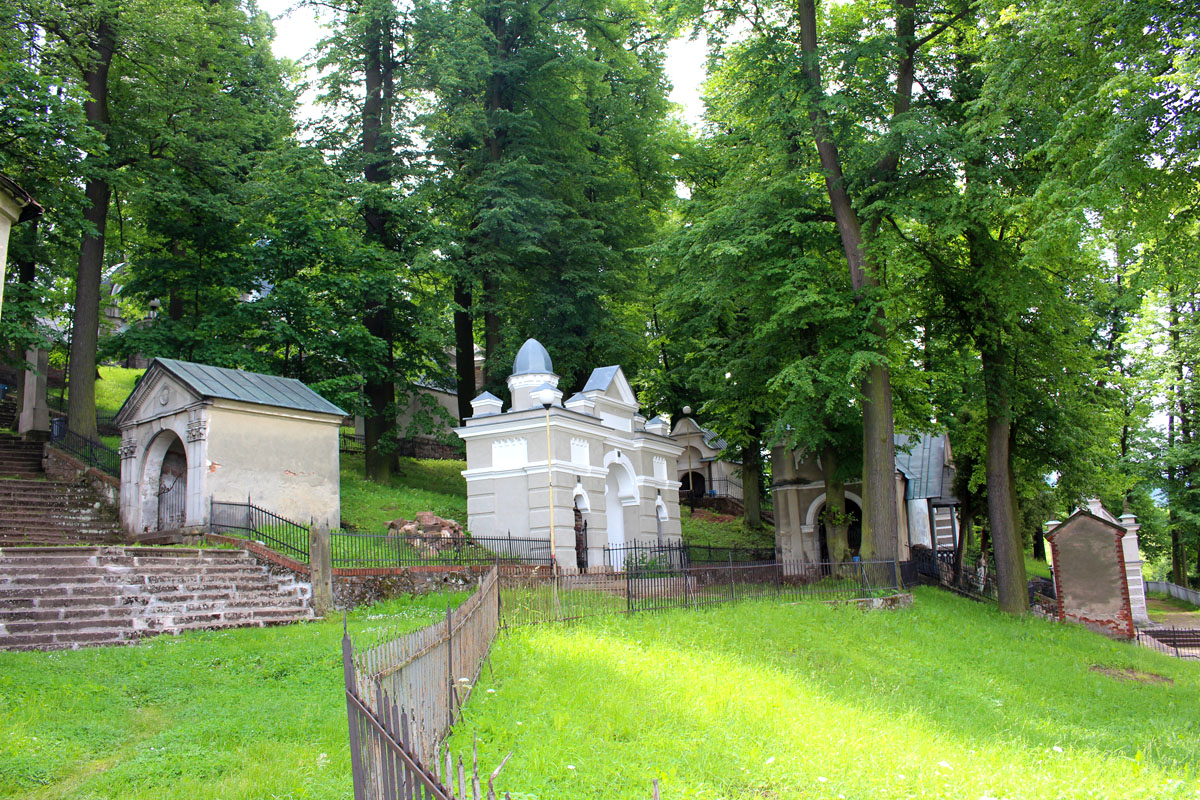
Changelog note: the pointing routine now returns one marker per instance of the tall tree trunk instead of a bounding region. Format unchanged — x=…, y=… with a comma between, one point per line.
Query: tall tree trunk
x=751, y=492
x=880, y=521
x=81, y=405
x=965, y=535
x=493, y=373
x=379, y=385
x=834, y=518
x=464, y=350
x=1006, y=539
x=1174, y=478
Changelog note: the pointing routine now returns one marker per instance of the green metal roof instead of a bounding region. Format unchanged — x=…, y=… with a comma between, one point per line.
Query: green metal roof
x=247, y=387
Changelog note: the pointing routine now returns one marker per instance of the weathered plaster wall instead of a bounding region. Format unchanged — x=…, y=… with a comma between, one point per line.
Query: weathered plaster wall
x=1089, y=575
x=286, y=461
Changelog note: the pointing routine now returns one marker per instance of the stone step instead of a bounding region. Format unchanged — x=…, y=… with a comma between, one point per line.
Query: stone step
x=141, y=572
x=67, y=640
x=120, y=610
x=56, y=597
x=26, y=537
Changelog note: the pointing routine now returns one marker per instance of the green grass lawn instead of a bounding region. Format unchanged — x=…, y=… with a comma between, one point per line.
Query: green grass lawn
x=703, y=527
x=421, y=485
x=249, y=713
x=949, y=699
x=1036, y=568
x=115, y=384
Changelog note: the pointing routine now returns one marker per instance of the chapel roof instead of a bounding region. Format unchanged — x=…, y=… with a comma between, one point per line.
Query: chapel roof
x=922, y=459
x=601, y=378
x=246, y=387
x=532, y=359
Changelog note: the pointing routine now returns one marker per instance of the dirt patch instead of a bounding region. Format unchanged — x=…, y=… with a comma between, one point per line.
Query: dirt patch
x=1129, y=674
x=712, y=516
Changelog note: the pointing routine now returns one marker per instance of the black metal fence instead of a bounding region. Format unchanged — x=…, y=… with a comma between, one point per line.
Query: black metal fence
x=977, y=581
x=359, y=550
x=352, y=443
x=1177, y=642
x=251, y=522
x=89, y=451
x=537, y=595
x=679, y=554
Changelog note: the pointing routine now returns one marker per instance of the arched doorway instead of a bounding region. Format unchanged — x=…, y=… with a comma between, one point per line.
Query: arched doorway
x=172, y=488
x=620, y=503
x=693, y=483
x=853, y=534
x=164, y=483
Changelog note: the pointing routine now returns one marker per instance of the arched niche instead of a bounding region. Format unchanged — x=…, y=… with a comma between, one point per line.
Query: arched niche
x=164, y=483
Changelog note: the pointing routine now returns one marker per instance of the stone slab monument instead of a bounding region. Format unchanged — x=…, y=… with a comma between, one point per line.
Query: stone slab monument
x=1097, y=571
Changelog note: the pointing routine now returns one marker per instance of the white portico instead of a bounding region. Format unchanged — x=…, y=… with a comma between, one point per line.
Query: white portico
x=593, y=453
x=192, y=433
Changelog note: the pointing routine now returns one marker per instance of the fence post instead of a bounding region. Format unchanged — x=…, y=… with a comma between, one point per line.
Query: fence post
x=628, y=593
x=356, y=756
x=320, y=559
x=732, y=593
x=450, y=663
x=778, y=579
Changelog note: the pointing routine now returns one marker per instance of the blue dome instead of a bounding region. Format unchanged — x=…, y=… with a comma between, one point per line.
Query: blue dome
x=532, y=359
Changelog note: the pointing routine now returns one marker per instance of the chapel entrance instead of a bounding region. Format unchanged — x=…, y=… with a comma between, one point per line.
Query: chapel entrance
x=853, y=535
x=172, y=488
x=692, y=483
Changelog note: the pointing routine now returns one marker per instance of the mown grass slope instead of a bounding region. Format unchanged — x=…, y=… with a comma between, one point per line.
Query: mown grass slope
x=239, y=714
x=420, y=485
x=949, y=699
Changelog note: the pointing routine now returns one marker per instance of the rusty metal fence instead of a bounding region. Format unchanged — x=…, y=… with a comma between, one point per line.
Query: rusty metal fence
x=403, y=693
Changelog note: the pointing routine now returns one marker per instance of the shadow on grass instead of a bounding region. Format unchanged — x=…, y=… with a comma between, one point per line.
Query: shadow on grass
x=950, y=699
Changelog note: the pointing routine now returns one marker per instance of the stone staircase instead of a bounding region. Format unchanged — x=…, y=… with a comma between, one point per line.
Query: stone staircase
x=8, y=411
x=18, y=458
x=49, y=513
x=66, y=598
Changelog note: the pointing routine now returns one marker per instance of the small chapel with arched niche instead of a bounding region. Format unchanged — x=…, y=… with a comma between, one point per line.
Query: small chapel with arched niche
x=194, y=433
x=605, y=475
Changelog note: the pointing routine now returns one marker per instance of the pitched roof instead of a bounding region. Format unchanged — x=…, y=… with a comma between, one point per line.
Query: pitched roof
x=923, y=465
x=245, y=387
x=601, y=378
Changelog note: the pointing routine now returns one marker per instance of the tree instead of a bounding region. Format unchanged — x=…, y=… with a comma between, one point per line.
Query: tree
x=549, y=131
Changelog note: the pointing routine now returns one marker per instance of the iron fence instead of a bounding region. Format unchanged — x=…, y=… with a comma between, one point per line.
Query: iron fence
x=358, y=550
x=1177, y=642
x=533, y=596
x=679, y=555
x=251, y=522
x=403, y=694
x=172, y=504
x=352, y=443
x=89, y=451
x=976, y=581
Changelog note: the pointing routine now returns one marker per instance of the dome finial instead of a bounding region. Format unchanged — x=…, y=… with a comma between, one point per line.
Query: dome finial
x=532, y=359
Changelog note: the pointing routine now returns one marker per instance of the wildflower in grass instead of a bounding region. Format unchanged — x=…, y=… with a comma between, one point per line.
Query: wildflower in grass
x=771, y=760
x=945, y=765
x=822, y=779
x=1056, y=749
x=570, y=766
